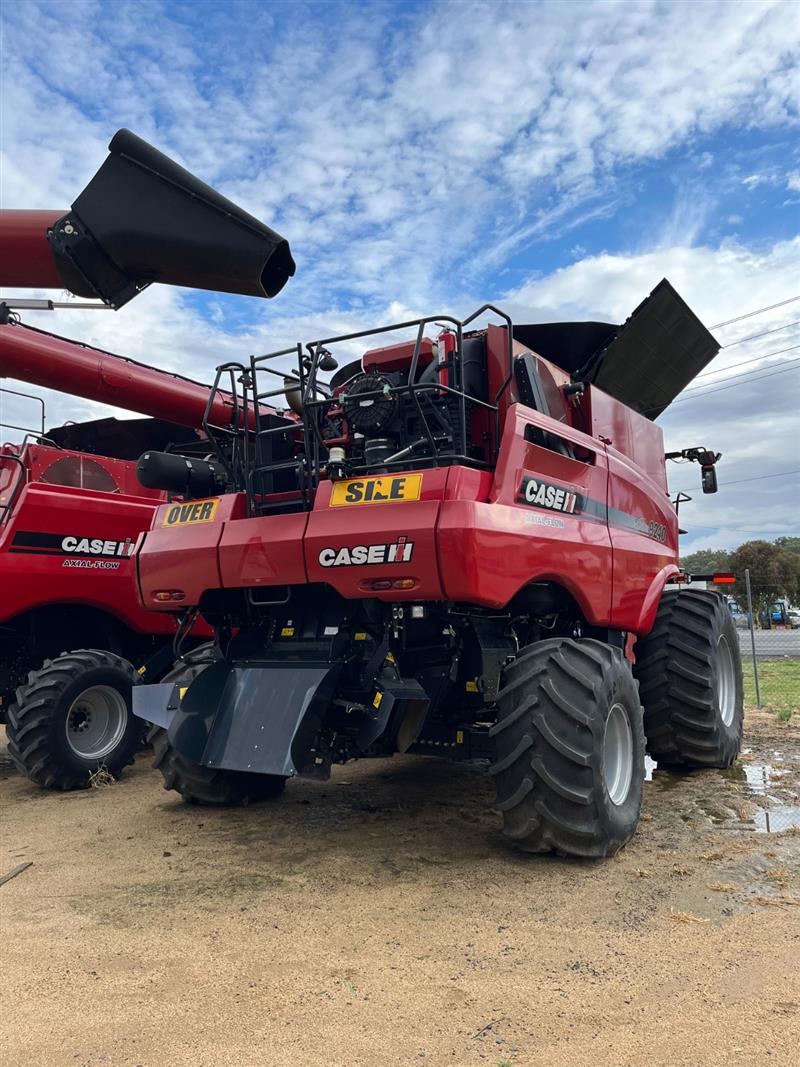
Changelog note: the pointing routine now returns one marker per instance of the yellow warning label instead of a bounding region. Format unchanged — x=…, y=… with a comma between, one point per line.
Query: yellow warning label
x=182, y=692
x=386, y=490
x=192, y=513
x=459, y=737
x=376, y=700
x=472, y=686
x=360, y=636
x=287, y=631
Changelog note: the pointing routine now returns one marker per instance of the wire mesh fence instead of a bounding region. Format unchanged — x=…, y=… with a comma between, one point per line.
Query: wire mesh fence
x=769, y=639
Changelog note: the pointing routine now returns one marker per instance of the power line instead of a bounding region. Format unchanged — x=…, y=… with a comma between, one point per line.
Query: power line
x=744, y=373
x=765, y=333
x=758, y=311
x=741, y=481
x=744, y=363
x=699, y=395
x=761, y=477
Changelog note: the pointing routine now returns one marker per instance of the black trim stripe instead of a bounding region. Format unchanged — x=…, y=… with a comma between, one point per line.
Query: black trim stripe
x=589, y=509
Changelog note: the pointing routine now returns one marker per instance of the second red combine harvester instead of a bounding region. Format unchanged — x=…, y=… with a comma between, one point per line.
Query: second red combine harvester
x=71, y=506
x=452, y=554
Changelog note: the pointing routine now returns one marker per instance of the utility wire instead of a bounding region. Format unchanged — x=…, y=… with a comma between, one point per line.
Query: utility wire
x=745, y=373
x=755, y=336
x=744, y=363
x=758, y=311
x=699, y=395
x=741, y=481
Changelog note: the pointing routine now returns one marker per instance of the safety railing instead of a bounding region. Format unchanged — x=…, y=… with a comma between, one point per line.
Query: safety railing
x=279, y=459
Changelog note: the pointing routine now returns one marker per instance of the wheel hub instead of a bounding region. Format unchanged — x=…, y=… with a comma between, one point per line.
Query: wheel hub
x=96, y=722
x=618, y=755
x=726, y=681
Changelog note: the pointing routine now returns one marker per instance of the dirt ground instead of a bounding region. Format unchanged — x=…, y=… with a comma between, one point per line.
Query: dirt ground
x=379, y=919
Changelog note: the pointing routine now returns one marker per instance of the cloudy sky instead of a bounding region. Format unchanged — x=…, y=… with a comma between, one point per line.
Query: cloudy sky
x=558, y=159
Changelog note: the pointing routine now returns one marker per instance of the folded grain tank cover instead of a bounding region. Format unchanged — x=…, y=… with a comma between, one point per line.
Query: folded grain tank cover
x=645, y=363
x=143, y=219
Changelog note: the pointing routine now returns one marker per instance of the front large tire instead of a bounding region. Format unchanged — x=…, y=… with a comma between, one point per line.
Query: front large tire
x=73, y=717
x=569, y=749
x=690, y=681
x=206, y=785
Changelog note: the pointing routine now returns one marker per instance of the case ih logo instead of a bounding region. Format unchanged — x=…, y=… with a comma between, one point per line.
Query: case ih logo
x=96, y=546
x=399, y=551
x=552, y=497
x=57, y=544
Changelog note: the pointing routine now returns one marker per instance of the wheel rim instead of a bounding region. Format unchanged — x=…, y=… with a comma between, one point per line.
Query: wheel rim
x=96, y=722
x=726, y=681
x=618, y=755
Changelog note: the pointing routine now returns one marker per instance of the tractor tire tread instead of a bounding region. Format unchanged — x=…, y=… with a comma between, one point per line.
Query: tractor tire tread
x=675, y=666
x=29, y=718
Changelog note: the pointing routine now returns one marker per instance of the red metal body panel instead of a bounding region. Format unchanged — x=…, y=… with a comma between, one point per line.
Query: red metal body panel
x=36, y=570
x=331, y=529
x=488, y=552
x=630, y=433
x=644, y=558
x=397, y=356
x=183, y=557
x=26, y=259
x=263, y=551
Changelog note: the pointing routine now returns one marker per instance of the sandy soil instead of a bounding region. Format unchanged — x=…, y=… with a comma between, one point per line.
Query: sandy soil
x=379, y=919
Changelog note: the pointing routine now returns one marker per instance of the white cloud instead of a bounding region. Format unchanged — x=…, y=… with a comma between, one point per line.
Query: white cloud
x=754, y=423
x=409, y=155
x=387, y=152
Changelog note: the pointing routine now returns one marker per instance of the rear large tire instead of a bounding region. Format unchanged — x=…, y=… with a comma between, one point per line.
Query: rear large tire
x=73, y=717
x=206, y=785
x=569, y=749
x=690, y=681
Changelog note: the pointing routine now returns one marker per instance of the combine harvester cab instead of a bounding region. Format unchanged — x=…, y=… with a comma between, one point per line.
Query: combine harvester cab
x=450, y=553
x=71, y=506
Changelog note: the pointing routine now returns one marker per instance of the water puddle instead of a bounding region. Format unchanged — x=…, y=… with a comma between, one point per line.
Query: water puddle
x=776, y=820
x=765, y=800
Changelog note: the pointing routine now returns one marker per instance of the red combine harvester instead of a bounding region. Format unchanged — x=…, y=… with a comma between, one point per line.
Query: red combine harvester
x=71, y=506
x=451, y=555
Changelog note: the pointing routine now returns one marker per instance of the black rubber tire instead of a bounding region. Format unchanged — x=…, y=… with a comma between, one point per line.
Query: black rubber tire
x=678, y=667
x=206, y=785
x=36, y=730
x=553, y=704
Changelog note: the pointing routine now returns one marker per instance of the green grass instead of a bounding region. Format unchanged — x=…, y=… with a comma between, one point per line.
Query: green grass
x=779, y=682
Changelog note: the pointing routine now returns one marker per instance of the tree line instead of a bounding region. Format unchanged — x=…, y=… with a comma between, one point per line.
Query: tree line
x=774, y=568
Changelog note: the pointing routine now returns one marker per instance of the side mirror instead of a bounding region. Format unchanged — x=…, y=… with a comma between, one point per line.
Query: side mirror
x=709, y=478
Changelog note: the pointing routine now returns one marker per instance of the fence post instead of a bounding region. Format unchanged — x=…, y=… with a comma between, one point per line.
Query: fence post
x=752, y=634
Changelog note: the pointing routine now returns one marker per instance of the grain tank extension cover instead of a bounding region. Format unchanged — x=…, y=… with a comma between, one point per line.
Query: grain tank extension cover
x=645, y=363
x=142, y=219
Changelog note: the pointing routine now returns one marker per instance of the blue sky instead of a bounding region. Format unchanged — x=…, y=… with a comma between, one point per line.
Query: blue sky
x=555, y=158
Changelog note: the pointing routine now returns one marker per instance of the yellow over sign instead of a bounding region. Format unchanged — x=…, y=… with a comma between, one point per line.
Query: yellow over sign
x=191, y=513
x=386, y=490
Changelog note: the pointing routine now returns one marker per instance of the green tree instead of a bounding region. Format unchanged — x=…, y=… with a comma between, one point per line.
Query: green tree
x=707, y=560
x=788, y=544
x=774, y=573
